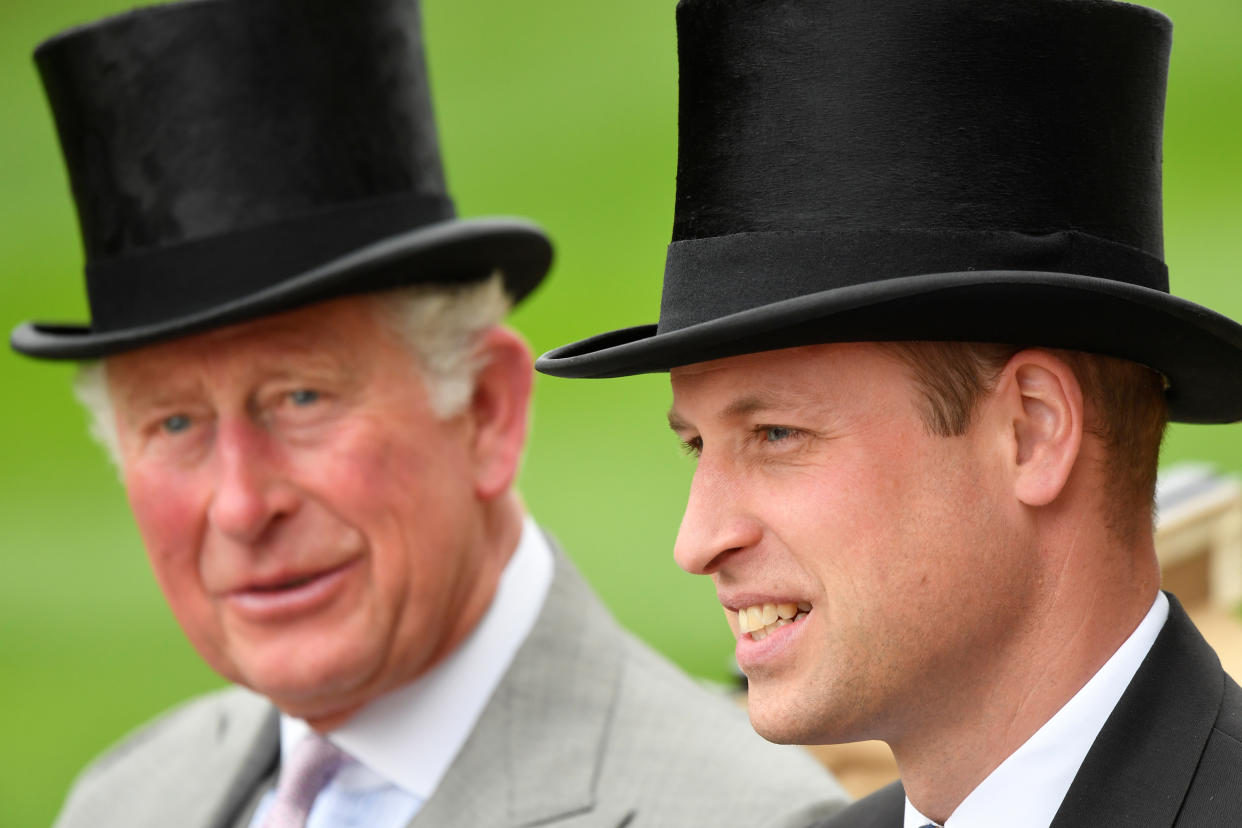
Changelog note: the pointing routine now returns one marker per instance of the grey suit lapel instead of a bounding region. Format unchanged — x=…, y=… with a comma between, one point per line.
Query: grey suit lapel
x=534, y=755
x=195, y=768
x=1142, y=763
x=883, y=809
x=251, y=732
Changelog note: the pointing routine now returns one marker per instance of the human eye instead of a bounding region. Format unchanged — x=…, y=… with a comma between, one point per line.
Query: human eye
x=776, y=434
x=176, y=423
x=297, y=405
x=303, y=397
x=173, y=435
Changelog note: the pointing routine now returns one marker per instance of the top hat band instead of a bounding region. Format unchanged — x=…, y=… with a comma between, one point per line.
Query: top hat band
x=766, y=267
x=166, y=282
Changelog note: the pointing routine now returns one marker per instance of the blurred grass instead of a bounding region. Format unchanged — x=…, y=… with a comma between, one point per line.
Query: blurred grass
x=561, y=111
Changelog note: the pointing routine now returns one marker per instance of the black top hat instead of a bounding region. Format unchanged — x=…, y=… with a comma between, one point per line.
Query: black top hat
x=923, y=170
x=231, y=158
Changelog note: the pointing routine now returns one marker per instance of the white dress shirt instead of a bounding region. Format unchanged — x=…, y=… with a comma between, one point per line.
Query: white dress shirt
x=1026, y=789
x=401, y=744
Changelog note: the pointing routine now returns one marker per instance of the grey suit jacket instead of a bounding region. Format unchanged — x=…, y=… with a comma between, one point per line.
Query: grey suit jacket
x=588, y=727
x=1170, y=754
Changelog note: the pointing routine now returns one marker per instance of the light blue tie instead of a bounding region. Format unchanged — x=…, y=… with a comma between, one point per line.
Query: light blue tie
x=311, y=766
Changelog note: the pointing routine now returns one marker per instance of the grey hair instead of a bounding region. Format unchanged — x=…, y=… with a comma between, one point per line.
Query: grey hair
x=441, y=325
x=90, y=386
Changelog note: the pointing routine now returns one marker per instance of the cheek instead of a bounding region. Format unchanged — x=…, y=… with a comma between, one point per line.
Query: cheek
x=402, y=492
x=847, y=500
x=382, y=460
x=863, y=521
x=169, y=518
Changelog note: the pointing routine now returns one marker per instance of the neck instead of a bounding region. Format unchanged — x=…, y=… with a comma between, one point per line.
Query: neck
x=1093, y=595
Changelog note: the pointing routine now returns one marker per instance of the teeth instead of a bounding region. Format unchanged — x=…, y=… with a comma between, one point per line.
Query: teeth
x=760, y=620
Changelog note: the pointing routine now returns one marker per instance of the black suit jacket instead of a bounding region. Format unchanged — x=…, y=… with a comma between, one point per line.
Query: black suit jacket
x=1169, y=755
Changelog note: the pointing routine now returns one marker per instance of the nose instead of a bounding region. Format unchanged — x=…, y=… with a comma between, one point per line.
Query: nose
x=714, y=527
x=250, y=495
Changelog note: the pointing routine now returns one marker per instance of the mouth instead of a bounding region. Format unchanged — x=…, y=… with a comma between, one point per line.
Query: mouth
x=285, y=581
x=761, y=620
x=284, y=596
x=290, y=583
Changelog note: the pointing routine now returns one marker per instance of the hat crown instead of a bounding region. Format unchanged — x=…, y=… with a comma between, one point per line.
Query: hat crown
x=945, y=170
x=1027, y=115
x=202, y=118
x=236, y=158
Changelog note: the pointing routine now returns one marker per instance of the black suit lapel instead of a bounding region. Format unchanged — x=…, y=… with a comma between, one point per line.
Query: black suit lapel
x=1142, y=763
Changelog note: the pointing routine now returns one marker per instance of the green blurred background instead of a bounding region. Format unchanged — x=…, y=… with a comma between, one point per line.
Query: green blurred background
x=561, y=111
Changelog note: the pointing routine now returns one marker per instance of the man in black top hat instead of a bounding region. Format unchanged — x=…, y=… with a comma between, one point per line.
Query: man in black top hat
x=920, y=339
x=297, y=356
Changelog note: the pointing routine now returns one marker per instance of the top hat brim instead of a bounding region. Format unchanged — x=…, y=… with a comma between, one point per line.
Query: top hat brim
x=447, y=252
x=1198, y=351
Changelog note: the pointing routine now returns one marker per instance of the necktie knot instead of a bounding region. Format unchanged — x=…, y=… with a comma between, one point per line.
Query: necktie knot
x=310, y=767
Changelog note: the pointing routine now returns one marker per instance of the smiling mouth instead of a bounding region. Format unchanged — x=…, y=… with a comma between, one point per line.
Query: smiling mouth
x=286, y=598
x=762, y=620
x=293, y=583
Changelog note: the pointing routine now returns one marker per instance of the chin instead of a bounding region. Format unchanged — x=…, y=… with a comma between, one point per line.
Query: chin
x=789, y=715
x=302, y=684
x=781, y=733
x=796, y=730
x=773, y=719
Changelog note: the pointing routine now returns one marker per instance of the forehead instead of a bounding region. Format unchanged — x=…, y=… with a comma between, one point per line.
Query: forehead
x=338, y=333
x=790, y=376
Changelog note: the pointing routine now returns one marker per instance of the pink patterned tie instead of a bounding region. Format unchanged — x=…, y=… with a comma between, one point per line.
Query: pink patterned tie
x=313, y=763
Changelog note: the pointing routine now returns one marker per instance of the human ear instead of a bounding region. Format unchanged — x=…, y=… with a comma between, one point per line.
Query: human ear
x=499, y=410
x=1046, y=406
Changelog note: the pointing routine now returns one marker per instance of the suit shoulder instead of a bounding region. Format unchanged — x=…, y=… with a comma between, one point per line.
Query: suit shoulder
x=167, y=752
x=691, y=748
x=179, y=728
x=1229, y=722
x=1215, y=794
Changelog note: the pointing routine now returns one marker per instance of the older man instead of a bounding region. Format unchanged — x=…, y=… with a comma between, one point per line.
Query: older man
x=918, y=537
x=296, y=355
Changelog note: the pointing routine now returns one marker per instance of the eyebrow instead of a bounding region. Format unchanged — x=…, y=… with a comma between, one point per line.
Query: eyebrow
x=745, y=406
x=741, y=407
x=143, y=392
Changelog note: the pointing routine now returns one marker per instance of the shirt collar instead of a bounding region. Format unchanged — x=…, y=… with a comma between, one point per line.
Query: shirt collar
x=411, y=735
x=1026, y=789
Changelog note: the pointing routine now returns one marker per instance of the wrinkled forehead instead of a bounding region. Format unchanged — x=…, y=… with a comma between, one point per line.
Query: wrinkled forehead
x=807, y=362
x=329, y=335
x=786, y=378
